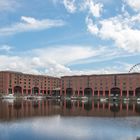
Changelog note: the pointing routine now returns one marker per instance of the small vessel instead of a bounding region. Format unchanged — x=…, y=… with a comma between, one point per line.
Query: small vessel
x=138, y=100
x=126, y=100
x=52, y=97
x=84, y=98
x=67, y=98
x=74, y=98
x=9, y=96
x=9, y=101
x=39, y=97
x=103, y=99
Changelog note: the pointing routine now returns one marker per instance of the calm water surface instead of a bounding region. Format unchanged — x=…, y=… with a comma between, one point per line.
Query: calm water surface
x=68, y=120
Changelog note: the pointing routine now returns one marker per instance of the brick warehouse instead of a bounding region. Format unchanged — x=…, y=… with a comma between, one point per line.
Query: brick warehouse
x=123, y=85
x=25, y=84
x=127, y=85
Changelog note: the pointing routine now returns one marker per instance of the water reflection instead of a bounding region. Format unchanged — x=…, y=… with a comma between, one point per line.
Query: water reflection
x=22, y=109
x=69, y=120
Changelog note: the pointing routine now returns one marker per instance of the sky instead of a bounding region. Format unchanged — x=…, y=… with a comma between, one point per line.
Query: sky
x=69, y=37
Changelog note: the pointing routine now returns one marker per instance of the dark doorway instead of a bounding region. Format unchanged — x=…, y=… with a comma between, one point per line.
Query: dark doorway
x=69, y=92
x=17, y=90
x=88, y=92
x=137, y=91
x=35, y=90
x=115, y=91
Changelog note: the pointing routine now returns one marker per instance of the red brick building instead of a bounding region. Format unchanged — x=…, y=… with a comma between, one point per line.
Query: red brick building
x=123, y=85
x=26, y=84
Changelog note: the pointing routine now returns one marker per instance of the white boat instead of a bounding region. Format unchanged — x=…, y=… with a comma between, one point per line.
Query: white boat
x=67, y=98
x=126, y=100
x=9, y=101
x=74, y=98
x=103, y=99
x=39, y=97
x=138, y=101
x=10, y=96
x=28, y=97
x=84, y=98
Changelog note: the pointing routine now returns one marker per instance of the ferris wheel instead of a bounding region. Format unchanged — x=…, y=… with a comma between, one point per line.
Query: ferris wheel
x=135, y=68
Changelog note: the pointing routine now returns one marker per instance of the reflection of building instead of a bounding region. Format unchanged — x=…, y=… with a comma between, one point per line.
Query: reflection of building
x=127, y=85
x=26, y=109
x=102, y=85
x=23, y=84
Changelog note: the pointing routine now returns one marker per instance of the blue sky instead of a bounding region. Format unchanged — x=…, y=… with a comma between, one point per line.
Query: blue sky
x=68, y=37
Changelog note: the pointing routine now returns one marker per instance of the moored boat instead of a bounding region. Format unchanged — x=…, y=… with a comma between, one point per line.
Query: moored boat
x=9, y=96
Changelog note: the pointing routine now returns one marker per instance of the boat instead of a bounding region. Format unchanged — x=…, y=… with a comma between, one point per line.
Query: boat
x=10, y=96
x=138, y=100
x=103, y=99
x=126, y=100
x=39, y=97
x=67, y=98
x=84, y=98
x=29, y=97
x=74, y=97
x=9, y=101
x=115, y=99
x=52, y=97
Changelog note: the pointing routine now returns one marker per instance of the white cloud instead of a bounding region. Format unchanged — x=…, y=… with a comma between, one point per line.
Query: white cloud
x=55, y=61
x=63, y=128
x=94, y=8
x=30, y=24
x=67, y=54
x=135, y=4
x=90, y=6
x=6, y=48
x=70, y=5
x=91, y=26
x=8, y=5
x=123, y=30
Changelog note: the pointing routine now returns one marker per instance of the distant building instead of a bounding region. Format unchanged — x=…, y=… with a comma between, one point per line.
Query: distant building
x=127, y=85
x=26, y=84
x=122, y=85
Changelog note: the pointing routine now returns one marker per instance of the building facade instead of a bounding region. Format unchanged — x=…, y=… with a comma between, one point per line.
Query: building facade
x=123, y=85
x=27, y=84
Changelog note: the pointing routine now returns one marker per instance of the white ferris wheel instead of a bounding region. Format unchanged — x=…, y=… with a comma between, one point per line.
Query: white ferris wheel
x=135, y=68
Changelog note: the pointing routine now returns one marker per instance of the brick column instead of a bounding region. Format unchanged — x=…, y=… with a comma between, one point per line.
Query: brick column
x=103, y=93
x=109, y=92
x=78, y=92
x=26, y=91
x=13, y=91
x=22, y=91
x=127, y=93
x=93, y=92
x=83, y=93
x=7, y=92
x=121, y=92
x=65, y=92
x=134, y=93
x=98, y=93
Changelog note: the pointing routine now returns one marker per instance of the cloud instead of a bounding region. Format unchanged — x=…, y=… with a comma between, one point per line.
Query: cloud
x=124, y=30
x=135, y=4
x=92, y=28
x=6, y=48
x=30, y=24
x=70, y=5
x=8, y=5
x=56, y=61
x=63, y=128
x=67, y=54
x=93, y=8
x=90, y=6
